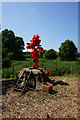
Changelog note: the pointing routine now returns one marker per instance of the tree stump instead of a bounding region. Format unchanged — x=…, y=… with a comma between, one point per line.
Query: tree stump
x=30, y=78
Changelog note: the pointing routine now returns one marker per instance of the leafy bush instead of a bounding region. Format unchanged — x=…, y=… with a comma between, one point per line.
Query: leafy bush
x=50, y=54
x=78, y=60
x=6, y=63
x=6, y=73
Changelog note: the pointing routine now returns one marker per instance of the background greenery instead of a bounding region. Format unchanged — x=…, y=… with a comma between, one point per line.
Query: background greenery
x=57, y=67
x=12, y=47
x=64, y=62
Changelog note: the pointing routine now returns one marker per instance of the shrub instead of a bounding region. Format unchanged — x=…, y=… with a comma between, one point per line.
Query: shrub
x=50, y=54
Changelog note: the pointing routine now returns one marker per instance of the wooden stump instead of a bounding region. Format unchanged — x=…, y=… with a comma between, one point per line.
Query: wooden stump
x=30, y=78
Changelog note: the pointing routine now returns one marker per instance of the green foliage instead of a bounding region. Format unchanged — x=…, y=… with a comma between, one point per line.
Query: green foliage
x=18, y=65
x=12, y=47
x=60, y=68
x=38, y=89
x=78, y=60
x=27, y=54
x=41, y=54
x=6, y=62
x=68, y=51
x=78, y=54
x=57, y=67
x=50, y=54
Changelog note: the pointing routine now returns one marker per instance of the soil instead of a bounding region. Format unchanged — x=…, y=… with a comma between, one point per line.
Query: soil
x=62, y=102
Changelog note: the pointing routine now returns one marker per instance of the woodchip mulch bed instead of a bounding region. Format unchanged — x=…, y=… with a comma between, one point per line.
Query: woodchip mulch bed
x=61, y=103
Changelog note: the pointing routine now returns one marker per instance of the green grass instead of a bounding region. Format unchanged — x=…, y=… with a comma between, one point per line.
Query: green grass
x=57, y=67
x=18, y=65
x=60, y=68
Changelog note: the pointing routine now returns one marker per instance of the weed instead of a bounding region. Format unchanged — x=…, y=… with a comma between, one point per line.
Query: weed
x=45, y=95
x=50, y=97
x=6, y=97
x=64, y=97
x=28, y=92
x=72, y=92
x=40, y=101
x=38, y=114
x=30, y=95
x=34, y=94
x=38, y=89
x=69, y=90
x=65, y=89
x=48, y=100
x=42, y=96
x=45, y=101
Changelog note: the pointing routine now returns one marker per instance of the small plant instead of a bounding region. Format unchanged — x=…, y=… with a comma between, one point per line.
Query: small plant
x=6, y=97
x=34, y=94
x=67, y=89
x=51, y=77
x=50, y=97
x=48, y=100
x=44, y=95
x=38, y=89
x=40, y=101
x=72, y=92
x=64, y=97
x=38, y=114
x=28, y=93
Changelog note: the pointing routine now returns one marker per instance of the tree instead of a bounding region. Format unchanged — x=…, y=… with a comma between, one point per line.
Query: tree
x=78, y=54
x=50, y=54
x=68, y=51
x=42, y=53
x=12, y=47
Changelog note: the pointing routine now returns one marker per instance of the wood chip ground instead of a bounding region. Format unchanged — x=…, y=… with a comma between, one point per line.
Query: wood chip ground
x=61, y=103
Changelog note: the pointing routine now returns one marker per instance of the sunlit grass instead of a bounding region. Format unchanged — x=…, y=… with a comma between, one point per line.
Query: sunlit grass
x=57, y=67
